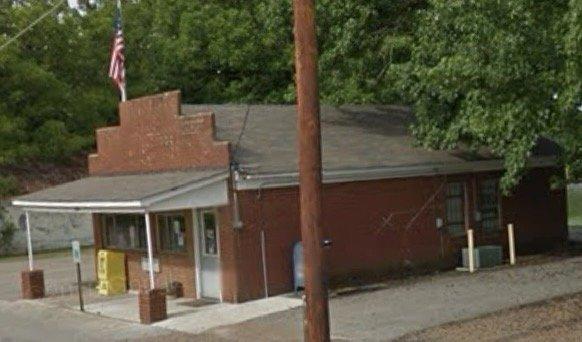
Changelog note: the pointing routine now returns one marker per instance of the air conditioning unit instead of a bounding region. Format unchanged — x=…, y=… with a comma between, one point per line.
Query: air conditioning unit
x=490, y=256
x=484, y=256
x=476, y=258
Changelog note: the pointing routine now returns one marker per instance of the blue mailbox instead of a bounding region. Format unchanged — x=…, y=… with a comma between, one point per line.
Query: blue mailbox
x=298, y=273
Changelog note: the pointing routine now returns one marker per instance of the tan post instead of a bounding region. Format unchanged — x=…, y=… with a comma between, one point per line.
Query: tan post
x=511, y=241
x=471, y=249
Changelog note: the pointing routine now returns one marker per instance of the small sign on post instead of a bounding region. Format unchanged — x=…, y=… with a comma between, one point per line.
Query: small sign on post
x=76, y=251
x=76, y=246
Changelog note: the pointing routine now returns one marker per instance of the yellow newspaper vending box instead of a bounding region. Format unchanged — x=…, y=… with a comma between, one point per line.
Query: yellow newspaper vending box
x=111, y=272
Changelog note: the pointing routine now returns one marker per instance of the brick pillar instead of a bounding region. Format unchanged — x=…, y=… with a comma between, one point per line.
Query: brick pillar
x=32, y=284
x=152, y=305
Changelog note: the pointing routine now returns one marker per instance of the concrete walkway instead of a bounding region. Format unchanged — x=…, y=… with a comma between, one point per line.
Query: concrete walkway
x=227, y=314
x=194, y=320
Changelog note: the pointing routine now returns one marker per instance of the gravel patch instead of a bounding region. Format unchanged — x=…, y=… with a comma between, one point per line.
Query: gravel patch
x=558, y=319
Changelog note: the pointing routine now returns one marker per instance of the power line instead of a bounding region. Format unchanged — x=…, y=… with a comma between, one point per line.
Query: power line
x=31, y=25
x=242, y=131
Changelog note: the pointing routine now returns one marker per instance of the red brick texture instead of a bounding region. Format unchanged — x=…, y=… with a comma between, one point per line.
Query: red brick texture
x=380, y=228
x=153, y=136
x=152, y=306
x=32, y=284
x=229, y=253
x=538, y=213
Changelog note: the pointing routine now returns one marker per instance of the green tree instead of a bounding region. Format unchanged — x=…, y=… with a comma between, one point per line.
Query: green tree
x=51, y=99
x=491, y=73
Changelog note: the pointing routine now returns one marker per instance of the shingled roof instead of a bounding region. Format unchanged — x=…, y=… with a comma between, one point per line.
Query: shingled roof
x=358, y=142
x=353, y=137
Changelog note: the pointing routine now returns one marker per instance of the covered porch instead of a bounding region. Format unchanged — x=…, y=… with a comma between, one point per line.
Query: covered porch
x=165, y=224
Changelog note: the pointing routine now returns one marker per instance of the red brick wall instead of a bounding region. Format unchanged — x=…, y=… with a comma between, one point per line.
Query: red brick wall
x=378, y=228
x=382, y=227
x=178, y=267
x=370, y=223
x=153, y=136
x=228, y=253
x=538, y=213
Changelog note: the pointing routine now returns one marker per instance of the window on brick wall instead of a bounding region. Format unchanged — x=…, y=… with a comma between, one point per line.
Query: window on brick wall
x=455, y=209
x=172, y=232
x=124, y=231
x=489, y=204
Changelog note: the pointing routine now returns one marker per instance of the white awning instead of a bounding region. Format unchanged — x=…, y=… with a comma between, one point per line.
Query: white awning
x=133, y=193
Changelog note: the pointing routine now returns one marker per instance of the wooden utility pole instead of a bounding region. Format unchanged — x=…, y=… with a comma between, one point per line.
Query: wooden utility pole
x=316, y=319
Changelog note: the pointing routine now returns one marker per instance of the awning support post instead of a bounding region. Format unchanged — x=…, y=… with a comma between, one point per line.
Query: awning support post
x=31, y=281
x=152, y=303
x=29, y=242
x=150, y=249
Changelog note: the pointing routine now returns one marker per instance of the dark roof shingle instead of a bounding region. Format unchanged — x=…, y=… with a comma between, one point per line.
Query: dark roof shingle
x=353, y=137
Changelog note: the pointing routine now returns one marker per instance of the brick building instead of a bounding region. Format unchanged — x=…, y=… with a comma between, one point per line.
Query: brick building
x=217, y=187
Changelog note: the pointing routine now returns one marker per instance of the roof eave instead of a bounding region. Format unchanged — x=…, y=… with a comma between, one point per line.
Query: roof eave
x=276, y=180
x=84, y=206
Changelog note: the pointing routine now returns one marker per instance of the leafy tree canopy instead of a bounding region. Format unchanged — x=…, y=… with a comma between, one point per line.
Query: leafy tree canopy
x=480, y=72
x=501, y=74
x=54, y=85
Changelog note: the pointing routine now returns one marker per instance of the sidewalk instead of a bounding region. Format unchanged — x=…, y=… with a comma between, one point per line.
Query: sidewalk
x=188, y=316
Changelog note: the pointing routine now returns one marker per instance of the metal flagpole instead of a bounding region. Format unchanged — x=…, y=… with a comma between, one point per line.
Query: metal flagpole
x=123, y=95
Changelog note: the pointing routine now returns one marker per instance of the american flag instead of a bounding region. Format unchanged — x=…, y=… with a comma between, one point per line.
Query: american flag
x=116, y=66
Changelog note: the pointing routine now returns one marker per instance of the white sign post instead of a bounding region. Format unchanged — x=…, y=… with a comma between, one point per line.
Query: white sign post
x=76, y=247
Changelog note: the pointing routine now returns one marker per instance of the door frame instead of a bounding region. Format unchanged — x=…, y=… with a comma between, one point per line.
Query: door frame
x=197, y=217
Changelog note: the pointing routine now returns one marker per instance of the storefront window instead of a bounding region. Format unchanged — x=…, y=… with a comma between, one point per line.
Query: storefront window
x=124, y=231
x=172, y=231
x=489, y=204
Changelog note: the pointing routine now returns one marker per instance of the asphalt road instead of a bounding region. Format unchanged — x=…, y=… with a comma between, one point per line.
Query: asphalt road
x=417, y=304
x=400, y=308
x=34, y=321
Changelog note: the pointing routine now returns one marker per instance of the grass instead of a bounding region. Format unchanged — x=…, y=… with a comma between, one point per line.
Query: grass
x=575, y=206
